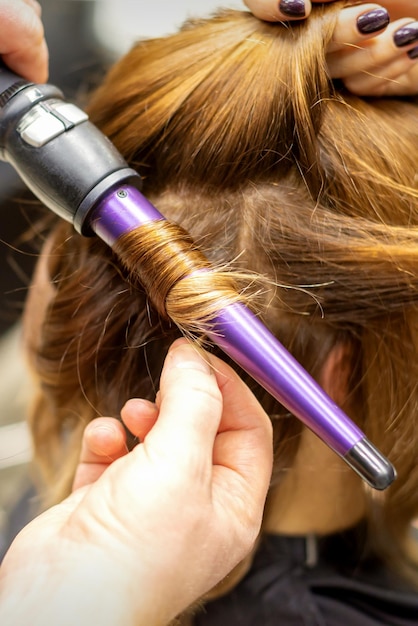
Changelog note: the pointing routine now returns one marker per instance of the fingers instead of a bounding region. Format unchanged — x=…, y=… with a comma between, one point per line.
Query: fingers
x=276, y=10
x=376, y=65
x=139, y=416
x=22, y=42
x=404, y=85
x=244, y=439
x=213, y=436
x=104, y=441
x=372, y=56
x=34, y=4
x=355, y=25
x=208, y=414
x=190, y=410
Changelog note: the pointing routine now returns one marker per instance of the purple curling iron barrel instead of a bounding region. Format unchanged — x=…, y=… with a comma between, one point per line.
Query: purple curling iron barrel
x=78, y=174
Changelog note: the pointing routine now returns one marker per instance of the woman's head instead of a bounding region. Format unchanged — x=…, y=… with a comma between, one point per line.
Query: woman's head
x=242, y=139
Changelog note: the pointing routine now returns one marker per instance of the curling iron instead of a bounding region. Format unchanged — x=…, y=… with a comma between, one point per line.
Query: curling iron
x=78, y=174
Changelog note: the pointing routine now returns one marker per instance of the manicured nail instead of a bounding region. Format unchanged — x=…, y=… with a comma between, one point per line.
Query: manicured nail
x=292, y=8
x=373, y=21
x=413, y=54
x=406, y=35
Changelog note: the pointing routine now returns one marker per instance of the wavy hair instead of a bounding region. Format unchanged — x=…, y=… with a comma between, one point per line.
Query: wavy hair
x=301, y=193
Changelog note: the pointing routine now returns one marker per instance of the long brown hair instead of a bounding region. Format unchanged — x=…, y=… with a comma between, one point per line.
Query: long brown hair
x=242, y=138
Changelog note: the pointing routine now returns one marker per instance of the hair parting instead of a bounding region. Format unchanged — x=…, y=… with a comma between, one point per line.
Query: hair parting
x=293, y=196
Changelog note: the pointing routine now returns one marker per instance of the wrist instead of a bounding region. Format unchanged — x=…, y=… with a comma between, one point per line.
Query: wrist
x=85, y=591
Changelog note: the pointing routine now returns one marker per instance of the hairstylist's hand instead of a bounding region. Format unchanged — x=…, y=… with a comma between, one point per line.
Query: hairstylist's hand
x=282, y=10
x=22, y=43
x=275, y=10
x=381, y=62
x=374, y=48
x=162, y=524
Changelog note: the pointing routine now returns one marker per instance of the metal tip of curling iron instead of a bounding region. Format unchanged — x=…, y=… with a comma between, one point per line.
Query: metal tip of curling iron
x=370, y=464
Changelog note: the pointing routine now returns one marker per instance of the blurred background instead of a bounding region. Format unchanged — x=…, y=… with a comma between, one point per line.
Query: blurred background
x=84, y=38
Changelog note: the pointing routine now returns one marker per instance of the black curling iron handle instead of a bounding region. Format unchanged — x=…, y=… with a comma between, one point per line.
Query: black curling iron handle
x=62, y=157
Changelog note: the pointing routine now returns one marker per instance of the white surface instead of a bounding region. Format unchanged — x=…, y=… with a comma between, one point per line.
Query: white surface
x=117, y=24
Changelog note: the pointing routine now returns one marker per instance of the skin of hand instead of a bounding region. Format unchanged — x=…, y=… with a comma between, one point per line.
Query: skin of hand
x=276, y=10
x=22, y=43
x=369, y=63
x=162, y=524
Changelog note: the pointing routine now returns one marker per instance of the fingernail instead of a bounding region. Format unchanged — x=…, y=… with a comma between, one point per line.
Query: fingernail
x=406, y=35
x=185, y=356
x=146, y=408
x=292, y=8
x=373, y=21
x=102, y=434
x=413, y=54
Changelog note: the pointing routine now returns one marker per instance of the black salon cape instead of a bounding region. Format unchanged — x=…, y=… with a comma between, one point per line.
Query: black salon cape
x=305, y=581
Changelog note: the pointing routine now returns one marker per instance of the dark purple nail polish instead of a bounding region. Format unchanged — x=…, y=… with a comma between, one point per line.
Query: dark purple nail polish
x=292, y=8
x=406, y=35
x=373, y=21
x=413, y=54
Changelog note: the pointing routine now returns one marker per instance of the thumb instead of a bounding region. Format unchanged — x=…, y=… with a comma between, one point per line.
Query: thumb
x=22, y=41
x=190, y=407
